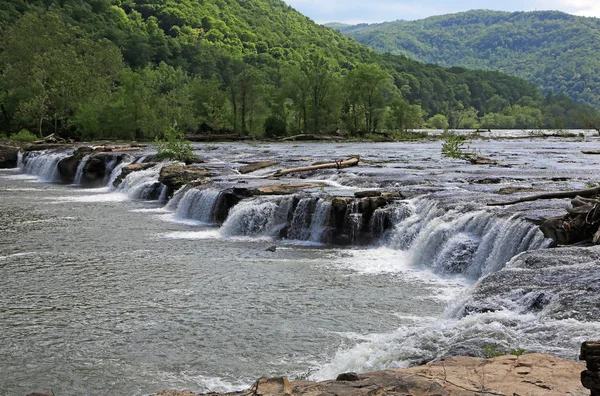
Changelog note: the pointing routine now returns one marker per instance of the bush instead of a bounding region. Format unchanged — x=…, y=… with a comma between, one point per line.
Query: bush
x=23, y=136
x=174, y=146
x=456, y=146
x=275, y=127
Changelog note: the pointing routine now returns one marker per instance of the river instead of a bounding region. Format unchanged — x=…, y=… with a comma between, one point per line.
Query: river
x=104, y=292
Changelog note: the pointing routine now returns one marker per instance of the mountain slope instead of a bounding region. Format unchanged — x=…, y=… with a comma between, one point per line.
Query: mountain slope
x=556, y=51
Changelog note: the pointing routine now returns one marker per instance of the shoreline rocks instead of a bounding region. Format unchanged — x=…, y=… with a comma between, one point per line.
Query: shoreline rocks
x=530, y=374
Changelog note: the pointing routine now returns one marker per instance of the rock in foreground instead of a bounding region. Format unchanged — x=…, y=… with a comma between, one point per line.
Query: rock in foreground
x=532, y=374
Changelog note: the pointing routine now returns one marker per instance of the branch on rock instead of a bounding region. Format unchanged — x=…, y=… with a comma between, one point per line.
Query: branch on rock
x=558, y=195
x=328, y=165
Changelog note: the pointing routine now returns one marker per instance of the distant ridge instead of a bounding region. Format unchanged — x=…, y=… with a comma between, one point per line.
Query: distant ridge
x=558, y=52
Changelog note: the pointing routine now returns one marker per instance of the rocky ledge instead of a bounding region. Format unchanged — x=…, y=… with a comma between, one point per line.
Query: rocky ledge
x=531, y=374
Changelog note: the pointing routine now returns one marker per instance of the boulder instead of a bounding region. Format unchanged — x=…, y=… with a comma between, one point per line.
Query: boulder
x=176, y=176
x=9, y=155
x=67, y=167
x=96, y=168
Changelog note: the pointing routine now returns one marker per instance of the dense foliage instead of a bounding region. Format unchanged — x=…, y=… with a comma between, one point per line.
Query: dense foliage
x=558, y=52
x=140, y=69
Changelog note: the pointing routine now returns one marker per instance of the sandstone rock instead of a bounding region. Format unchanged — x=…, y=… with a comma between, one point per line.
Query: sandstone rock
x=279, y=386
x=533, y=374
x=8, y=156
x=175, y=176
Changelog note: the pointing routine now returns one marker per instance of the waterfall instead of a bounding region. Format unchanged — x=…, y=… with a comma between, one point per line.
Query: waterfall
x=472, y=244
x=197, y=204
x=320, y=223
x=44, y=164
x=79, y=174
x=258, y=217
x=302, y=219
x=116, y=171
x=143, y=184
x=110, y=167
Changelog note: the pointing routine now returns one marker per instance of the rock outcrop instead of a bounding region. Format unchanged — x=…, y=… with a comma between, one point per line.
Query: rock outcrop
x=176, y=176
x=67, y=167
x=9, y=155
x=532, y=374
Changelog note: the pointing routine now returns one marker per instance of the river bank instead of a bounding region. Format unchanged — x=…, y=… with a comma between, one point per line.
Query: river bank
x=531, y=374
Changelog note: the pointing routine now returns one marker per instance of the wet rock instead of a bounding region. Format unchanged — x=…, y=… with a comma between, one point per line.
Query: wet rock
x=67, y=167
x=256, y=166
x=176, y=176
x=39, y=394
x=271, y=249
x=348, y=377
x=533, y=374
x=591, y=380
x=130, y=169
x=9, y=155
x=367, y=194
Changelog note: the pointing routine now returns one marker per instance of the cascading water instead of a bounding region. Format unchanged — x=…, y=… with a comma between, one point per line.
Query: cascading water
x=197, y=205
x=116, y=171
x=320, y=222
x=472, y=244
x=258, y=217
x=302, y=219
x=80, y=167
x=44, y=164
x=143, y=184
x=110, y=167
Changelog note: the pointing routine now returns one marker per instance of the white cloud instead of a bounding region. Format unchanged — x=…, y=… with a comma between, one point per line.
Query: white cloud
x=589, y=8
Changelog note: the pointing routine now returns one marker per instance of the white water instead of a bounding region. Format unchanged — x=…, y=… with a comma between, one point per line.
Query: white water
x=472, y=244
x=78, y=180
x=198, y=205
x=258, y=217
x=43, y=164
x=142, y=184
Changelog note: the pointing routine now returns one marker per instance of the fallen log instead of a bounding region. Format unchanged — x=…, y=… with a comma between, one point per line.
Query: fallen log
x=328, y=165
x=309, y=137
x=591, y=152
x=256, y=166
x=566, y=194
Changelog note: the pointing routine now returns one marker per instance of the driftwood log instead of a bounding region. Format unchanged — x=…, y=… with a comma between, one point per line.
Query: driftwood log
x=566, y=194
x=328, y=165
x=581, y=223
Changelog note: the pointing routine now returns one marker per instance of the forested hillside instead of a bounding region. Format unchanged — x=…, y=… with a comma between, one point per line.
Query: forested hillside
x=135, y=68
x=556, y=51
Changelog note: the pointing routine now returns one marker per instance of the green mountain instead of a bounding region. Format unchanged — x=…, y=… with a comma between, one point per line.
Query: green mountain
x=556, y=51
x=143, y=68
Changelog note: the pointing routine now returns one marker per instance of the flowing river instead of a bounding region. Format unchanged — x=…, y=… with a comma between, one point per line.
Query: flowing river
x=106, y=291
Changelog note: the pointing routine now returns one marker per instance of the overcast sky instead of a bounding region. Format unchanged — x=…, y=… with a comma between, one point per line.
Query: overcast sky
x=358, y=11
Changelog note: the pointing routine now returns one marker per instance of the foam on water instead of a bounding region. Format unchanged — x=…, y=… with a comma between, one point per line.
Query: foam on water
x=192, y=235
